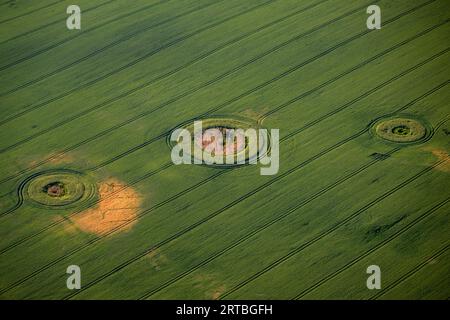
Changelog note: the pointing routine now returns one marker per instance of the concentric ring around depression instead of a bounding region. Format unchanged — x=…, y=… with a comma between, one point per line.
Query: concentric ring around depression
x=224, y=123
x=401, y=129
x=58, y=189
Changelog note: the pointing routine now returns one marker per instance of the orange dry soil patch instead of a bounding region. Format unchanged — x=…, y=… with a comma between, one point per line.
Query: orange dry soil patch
x=117, y=205
x=442, y=155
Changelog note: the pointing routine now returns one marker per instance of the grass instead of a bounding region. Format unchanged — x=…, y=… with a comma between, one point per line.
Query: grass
x=73, y=189
x=401, y=130
x=102, y=101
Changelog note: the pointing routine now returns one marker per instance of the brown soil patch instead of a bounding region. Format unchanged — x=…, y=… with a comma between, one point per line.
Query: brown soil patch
x=442, y=155
x=116, y=206
x=228, y=145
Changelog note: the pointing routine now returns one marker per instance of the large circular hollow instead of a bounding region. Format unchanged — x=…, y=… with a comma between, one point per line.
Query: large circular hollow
x=235, y=140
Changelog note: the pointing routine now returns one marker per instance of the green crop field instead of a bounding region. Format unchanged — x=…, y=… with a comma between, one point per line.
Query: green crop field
x=87, y=179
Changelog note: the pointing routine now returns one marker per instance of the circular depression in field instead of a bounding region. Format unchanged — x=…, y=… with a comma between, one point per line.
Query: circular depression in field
x=59, y=188
x=401, y=129
x=235, y=143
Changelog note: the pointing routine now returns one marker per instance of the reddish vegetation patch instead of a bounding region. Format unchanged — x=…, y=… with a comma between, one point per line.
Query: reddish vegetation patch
x=228, y=145
x=117, y=206
x=55, y=190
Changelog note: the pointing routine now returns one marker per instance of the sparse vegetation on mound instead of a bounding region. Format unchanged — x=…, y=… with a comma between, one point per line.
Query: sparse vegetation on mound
x=401, y=130
x=238, y=146
x=60, y=188
x=55, y=189
x=104, y=99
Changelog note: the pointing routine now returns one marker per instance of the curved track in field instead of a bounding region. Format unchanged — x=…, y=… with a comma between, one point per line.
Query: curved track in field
x=219, y=107
x=295, y=68
x=20, y=191
x=9, y=247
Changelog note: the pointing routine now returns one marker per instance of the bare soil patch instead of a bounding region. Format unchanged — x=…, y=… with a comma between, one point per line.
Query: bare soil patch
x=442, y=155
x=117, y=205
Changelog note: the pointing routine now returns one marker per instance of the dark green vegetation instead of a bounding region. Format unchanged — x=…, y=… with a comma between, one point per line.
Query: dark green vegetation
x=100, y=102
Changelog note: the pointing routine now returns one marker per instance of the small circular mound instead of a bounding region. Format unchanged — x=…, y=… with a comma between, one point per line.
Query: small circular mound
x=401, y=130
x=59, y=188
x=234, y=143
x=55, y=189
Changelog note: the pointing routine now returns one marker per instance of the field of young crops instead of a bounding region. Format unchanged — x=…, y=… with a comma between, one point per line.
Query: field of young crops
x=87, y=179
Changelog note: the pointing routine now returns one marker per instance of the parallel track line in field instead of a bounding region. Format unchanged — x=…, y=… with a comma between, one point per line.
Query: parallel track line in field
x=355, y=214
x=283, y=139
x=20, y=196
x=372, y=250
x=310, y=124
x=101, y=134
x=215, y=213
x=126, y=66
x=76, y=35
x=413, y=271
x=121, y=40
x=261, y=228
x=136, y=147
x=54, y=23
x=141, y=87
x=30, y=12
